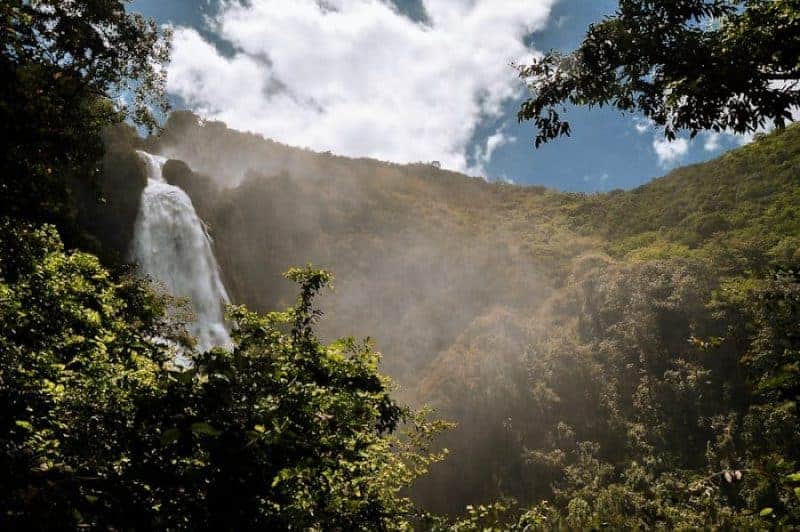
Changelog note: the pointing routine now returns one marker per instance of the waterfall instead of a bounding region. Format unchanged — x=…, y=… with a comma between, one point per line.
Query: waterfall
x=171, y=245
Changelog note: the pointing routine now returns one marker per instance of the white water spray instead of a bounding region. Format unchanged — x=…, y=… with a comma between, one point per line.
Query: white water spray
x=171, y=245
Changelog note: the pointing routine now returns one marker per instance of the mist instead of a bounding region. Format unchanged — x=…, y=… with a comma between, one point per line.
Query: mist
x=426, y=265
x=537, y=320
x=290, y=307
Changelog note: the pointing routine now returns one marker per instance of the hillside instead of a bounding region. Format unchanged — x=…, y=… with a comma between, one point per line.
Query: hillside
x=435, y=250
x=205, y=329
x=431, y=249
x=747, y=201
x=463, y=283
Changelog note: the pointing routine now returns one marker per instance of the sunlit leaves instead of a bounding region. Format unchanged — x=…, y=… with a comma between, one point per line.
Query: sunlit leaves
x=686, y=65
x=101, y=430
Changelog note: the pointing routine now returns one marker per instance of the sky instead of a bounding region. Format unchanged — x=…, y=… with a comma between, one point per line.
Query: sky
x=409, y=81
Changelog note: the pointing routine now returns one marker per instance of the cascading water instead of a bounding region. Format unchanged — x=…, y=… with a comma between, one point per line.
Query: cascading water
x=171, y=245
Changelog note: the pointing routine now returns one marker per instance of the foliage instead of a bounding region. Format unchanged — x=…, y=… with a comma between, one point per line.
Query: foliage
x=625, y=360
x=636, y=427
x=67, y=69
x=75, y=366
x=741, y=211
x=630, y=427
x=101, y=430
x=685, y=64
x=479, y=294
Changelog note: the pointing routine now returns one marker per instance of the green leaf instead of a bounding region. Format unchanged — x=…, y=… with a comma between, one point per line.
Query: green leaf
x=794, y=477
x=282, y=475
x=205, y=428
x=766, y=512
x=260, y=428
x=24, y=424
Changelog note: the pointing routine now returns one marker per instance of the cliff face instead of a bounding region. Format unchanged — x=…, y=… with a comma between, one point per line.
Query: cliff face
x=107, y=209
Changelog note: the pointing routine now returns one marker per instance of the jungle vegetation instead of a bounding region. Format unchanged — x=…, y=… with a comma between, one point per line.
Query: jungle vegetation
x=623, y=360
x=579, y=341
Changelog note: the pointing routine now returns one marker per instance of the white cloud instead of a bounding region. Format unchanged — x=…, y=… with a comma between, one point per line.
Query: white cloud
x=712, y=142
x=483, y=153
x=495, y=141
x=642, y=125
x=357, y=77
x=670, y=153
x=715, y=140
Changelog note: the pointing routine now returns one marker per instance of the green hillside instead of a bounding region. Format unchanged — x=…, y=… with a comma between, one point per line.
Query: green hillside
x=743, y=208
x=626, y=359
x=470, y=288
x=406, y=348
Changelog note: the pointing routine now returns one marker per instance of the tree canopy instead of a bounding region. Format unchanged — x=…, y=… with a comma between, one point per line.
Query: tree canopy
x=100, y=429
x=655, y=385
x=69, y=69
x=694, y=65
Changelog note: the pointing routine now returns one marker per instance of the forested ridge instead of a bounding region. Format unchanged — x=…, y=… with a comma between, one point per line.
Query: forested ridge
x=626, y=360
x=576, y=339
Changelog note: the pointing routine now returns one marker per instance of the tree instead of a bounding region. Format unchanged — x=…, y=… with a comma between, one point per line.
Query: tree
x=631, y=426
x=98, y=426
x=98, y=429
x=720, y=65
x=68, y=69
